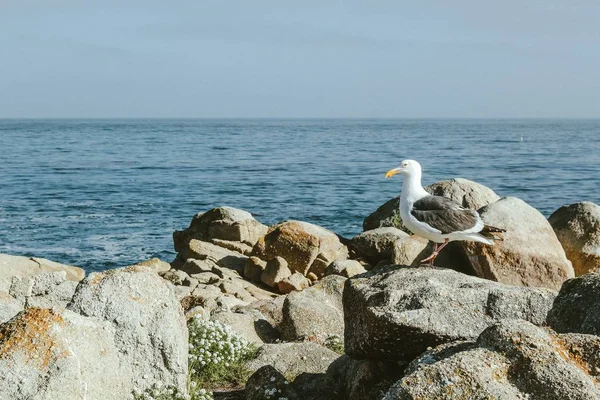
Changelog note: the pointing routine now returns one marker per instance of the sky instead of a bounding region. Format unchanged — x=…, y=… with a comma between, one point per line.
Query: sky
x=303, y=59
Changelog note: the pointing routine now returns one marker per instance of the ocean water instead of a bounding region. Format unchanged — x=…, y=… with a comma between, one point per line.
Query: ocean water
x=107, y=193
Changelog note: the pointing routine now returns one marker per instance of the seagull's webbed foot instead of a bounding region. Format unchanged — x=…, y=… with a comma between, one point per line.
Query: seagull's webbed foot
x=436, y=250
x=429, y=260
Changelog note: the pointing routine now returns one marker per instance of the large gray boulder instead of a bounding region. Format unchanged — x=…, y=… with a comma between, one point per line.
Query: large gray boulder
x=363, y=379
x=577, y=227
x=293, y=359
x=222, y=223
x=44, y=290
x=512, y=359
x=398, y=312
x=529, y=254
x=49, y=354
x=378, y=244
x=150, y=328
x=316, y=312
x=211, y=253
x=9, y=306
x=19, y=267
x=468, y=193
x=577, y=306
x=306, y=247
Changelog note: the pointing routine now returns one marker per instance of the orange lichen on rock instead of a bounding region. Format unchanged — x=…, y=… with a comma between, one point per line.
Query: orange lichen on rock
x=29, y=334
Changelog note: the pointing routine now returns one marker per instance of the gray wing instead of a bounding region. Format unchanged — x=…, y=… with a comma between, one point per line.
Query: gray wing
x=444, y=214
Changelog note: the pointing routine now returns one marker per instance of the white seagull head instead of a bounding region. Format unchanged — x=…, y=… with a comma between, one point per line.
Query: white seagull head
x=406, y=168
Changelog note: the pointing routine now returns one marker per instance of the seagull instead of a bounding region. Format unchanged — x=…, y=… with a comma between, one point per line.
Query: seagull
x=437, y=218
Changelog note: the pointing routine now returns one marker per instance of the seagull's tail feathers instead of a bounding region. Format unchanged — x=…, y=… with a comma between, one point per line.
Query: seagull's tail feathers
x=477, y=237
x=491, y=233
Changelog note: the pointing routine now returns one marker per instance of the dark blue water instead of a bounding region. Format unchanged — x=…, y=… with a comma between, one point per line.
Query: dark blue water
x=101, y=194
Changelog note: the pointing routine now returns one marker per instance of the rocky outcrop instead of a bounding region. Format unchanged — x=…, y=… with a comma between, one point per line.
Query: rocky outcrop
x=221, y=224
x=150, y=328
x=577, y=227
x=345, y=268
x=362, y=379
x=315, y=312
x=468, y=193
x=19, y=267
x=577, y=306
x=512, y=359
x=275, y=271
x=9, y=306
x=293, y=359
x=205, y=251
x=305, y=247
x=378, y=244
x=398, y=312
x=410, y=250
x=529, y=254
x=50, y=354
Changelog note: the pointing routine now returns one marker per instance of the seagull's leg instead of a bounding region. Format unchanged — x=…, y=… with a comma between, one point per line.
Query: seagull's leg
x=436, y=251
x=432, y=256
x=443, y=245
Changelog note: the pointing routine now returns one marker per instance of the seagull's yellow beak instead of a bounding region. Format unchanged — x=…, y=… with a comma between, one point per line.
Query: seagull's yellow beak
x=392, y=172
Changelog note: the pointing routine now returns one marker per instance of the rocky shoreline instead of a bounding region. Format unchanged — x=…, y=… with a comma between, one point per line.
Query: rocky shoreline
x=294, y=311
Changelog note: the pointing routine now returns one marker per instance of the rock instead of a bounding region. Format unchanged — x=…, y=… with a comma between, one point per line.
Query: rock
x=254, y=268
x=192, y=266
x=377, y=244
x=314, y=312
x=410, y=250
x=243, y=324
x=224, y=258
x=275, y=271
x=512, y=359
x=151, y=330
x=176, y=277
x=529, y=255
x=50, y=354
x=258, y=293
x=155, y=264
x=294, y=282
x=223, y=223
x=206, y=278
x=268, y=383
x=577, y=306
x=44, y=290
x=236, y=290
x=577, y=227
x=19, y=267
x=271, y=309
x=363, y=379
x=239, y=247
x=315, y=386
x=9, y=306
x=346, y=268
x=293, y=359
x=229, y=303
x=312, y=277
x=468, y=193
x=398, y=312
x=301, y=244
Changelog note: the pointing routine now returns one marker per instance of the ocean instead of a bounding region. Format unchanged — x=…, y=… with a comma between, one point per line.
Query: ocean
x=106, y=193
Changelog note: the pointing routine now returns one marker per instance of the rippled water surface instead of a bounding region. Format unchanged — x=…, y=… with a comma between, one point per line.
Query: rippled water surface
x=106, y=193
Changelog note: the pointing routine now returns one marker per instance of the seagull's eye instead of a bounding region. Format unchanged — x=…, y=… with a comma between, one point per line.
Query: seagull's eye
x=405, y=164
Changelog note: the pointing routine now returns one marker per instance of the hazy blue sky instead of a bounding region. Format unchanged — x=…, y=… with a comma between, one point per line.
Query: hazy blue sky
x=510, y=58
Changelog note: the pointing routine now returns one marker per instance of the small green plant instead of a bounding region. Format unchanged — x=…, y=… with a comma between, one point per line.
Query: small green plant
x=335, y=343
x=396, y=220
x=217, y=355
